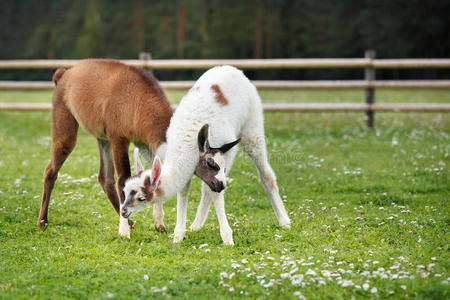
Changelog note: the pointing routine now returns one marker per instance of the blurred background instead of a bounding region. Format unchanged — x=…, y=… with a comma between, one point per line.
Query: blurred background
x=199, y=29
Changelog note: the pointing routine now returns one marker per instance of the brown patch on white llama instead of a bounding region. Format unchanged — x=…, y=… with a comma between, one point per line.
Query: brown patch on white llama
x=220, y=97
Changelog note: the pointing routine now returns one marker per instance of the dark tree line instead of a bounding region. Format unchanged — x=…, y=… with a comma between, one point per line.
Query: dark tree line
x=227, y=29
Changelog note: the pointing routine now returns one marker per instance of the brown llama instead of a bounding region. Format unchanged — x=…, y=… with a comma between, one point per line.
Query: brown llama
x=117, y=104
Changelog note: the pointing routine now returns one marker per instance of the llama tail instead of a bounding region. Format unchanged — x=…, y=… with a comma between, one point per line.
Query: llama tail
x=58, y=74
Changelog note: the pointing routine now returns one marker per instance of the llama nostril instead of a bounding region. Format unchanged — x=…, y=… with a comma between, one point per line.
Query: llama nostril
x=218, y=186
x=221, y=186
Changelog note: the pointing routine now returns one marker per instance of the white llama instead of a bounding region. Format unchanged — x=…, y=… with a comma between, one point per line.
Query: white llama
x=221, y=107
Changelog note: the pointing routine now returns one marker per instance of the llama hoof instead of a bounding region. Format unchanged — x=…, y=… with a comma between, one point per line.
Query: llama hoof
x=286, y=226
x=195, y=227
x=131, y=223
x=227, y=237
x=42, y=224
x=178, y=238
x=124, y=227
x=124, y=231
x=228, y=243
x=160, y=228
x=286, y=223
x=125, y=234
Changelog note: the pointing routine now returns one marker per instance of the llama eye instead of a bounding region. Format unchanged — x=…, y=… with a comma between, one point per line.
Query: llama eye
x=141, y=198
x=211, y=164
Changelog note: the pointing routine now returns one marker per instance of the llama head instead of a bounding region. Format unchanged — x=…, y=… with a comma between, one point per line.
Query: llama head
x=141, y=189
x=211, y=167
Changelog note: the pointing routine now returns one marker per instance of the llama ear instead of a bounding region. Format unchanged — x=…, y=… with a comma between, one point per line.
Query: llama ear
x=147, y=182
x=156, y=172
x=202, y=139
x=137, y=162
x=226, y=147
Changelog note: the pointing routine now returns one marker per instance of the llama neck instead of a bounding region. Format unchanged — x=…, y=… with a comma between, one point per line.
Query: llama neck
x=161, y=151
x=182, y=153
x=176, y=172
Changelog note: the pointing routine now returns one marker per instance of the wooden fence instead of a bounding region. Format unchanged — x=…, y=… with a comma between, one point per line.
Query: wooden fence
x=369, y=63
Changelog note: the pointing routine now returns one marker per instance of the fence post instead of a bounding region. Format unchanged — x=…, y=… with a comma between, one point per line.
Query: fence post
x=144, y=56
x=369, y=74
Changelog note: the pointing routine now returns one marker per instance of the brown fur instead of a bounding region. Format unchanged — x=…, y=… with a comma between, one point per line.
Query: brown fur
x=58, y=75
x=117, y=104
x=203, y=171
x=159, y=191
x=220, y=97
x=109, y=99
x=206, y=168
x=147, y=189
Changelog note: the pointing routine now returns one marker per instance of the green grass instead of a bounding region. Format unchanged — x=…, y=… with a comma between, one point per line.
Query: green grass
x=368, y=209
x=273, y=96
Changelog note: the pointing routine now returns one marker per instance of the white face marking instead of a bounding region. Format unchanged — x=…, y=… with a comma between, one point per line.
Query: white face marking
x=219, y=159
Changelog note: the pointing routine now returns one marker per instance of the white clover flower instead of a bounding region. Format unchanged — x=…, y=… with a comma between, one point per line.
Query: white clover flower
x=346, y=283
x=311, y=272
x=299, y=295
x=297, y=279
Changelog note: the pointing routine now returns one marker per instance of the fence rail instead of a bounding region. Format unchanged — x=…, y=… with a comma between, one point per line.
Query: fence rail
x=369, y=63
x=288, y=63
x=275, y=84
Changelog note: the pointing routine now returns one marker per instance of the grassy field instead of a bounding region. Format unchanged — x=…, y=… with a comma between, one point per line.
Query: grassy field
x=370, y=214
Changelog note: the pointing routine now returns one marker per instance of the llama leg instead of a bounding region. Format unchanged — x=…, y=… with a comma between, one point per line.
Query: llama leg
x=225, y=230
x=182, y=200
x=64, y=134
x=202, y=210
x=219, y=203
x=256, y=149
x=205, y=201
x=158, y=216
x=121, y=161
x=158, y=211
x=106, y=174
x=108, y=183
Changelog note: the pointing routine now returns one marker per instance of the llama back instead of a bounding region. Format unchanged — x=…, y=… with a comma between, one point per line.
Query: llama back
x=103, y=94
x=222, y=97
x=232, y=83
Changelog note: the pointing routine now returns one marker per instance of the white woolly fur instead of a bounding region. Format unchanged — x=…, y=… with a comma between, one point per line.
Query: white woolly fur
x=199, y=107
